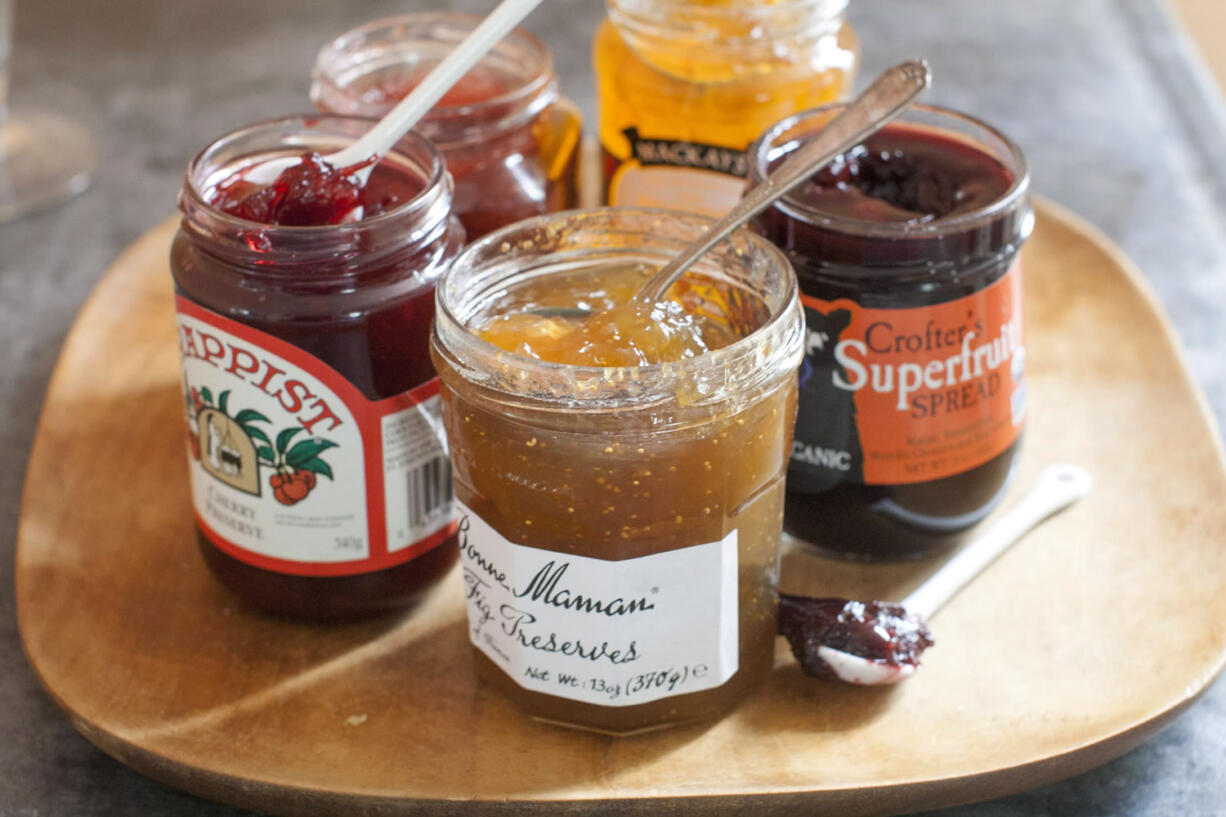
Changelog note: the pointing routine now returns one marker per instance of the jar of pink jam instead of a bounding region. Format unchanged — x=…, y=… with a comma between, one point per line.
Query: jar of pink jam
x=508, y=137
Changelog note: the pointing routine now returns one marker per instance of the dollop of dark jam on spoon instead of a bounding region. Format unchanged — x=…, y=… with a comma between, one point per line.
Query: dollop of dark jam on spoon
x=875, y=631
x=312, y=193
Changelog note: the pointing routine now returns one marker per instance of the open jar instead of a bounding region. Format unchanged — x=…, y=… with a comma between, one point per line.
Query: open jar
x=913, y=391
x=509, y=138
x=620, y=525
x=319, y=472
x=684, y=86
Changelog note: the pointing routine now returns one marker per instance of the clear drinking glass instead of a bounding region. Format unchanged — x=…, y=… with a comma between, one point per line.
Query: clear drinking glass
x=44, y=158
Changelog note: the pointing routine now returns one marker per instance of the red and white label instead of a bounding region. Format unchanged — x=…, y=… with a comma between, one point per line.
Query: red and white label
x=293, y=469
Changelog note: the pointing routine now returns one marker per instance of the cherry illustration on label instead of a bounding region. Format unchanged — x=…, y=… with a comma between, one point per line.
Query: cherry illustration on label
x=296, y=468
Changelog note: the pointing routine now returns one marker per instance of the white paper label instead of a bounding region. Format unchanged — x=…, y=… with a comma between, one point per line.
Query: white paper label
x=676, y=188
x=614, y=633
x=417, y=474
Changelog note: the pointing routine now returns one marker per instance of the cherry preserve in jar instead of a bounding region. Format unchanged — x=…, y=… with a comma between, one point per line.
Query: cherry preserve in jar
x=319, y=471
x=912, y=391
x=509, y=138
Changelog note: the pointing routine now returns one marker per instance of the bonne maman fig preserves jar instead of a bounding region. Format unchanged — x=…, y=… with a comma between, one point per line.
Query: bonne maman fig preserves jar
x=912, y=390
x=619, y=478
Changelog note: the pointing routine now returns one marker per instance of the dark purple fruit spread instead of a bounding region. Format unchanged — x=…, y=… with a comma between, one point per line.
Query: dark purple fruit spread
x=905, y=174
x=912, y=218
x=880, y=632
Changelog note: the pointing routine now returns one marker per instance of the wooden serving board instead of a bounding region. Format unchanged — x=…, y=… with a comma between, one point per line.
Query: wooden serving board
x=1075, y=646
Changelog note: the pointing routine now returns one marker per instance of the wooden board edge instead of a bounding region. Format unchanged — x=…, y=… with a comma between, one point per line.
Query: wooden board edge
x=887, y=799
x=875, y=801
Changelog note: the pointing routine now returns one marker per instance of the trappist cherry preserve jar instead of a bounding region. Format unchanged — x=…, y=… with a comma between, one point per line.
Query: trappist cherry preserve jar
x=913, y=391
x=319, y=472
x=508, y=137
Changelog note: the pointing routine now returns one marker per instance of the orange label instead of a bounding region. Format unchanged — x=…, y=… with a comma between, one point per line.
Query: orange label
x=893, y=396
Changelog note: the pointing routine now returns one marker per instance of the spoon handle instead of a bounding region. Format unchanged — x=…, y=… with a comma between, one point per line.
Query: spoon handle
x=379, y=139
x=885, y=99
x=1057, y=487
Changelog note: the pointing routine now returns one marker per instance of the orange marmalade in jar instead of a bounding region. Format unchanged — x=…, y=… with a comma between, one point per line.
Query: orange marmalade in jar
x=685, y=86
x=619, y=473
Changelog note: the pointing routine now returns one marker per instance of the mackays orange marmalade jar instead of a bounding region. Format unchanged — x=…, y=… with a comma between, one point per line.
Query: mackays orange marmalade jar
x=913, y=389
x=685, y=86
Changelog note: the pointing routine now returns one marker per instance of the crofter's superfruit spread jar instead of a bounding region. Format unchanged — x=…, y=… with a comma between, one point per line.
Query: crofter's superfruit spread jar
x=684, y=86
x=619, y=474
x=319, y=472
x=913, y=389
x=508, y=137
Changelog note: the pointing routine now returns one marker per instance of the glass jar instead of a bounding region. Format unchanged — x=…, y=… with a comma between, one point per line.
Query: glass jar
x=619, y=526
x=913, y=390
x=318, y=469
x=509, y=138
x=684, y=86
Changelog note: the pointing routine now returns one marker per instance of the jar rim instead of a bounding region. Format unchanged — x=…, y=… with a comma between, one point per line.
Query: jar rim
x=435, y=173
x=784, y=322
x=537, y=82
x=650, y=15
x=765, y=149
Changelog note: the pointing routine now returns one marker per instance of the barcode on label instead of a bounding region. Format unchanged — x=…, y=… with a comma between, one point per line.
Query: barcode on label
x=429, y=491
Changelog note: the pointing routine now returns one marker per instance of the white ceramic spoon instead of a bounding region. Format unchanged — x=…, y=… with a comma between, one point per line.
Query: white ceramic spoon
x=1057, y=487
x=399, y=120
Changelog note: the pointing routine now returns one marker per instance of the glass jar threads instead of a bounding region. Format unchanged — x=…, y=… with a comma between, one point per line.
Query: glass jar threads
x=684, y=86
x=619, y=524
x=913, y=391
x=318, y=469
x=508, y=137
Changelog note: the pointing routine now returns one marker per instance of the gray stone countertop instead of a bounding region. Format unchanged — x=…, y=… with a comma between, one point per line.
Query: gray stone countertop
x=1106, y=97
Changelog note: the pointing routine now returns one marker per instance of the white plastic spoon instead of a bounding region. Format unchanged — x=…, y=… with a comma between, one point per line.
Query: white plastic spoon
x=1057, y=487
x=399, y=120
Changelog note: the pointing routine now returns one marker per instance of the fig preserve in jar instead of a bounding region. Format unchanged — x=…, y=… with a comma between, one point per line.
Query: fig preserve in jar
x=913, y=390
x=509, y=139
x=319, y=472
x=684, y=86
x=620, y=510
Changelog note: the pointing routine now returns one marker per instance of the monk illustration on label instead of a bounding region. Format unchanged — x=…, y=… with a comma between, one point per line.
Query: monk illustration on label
x=232, y=449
